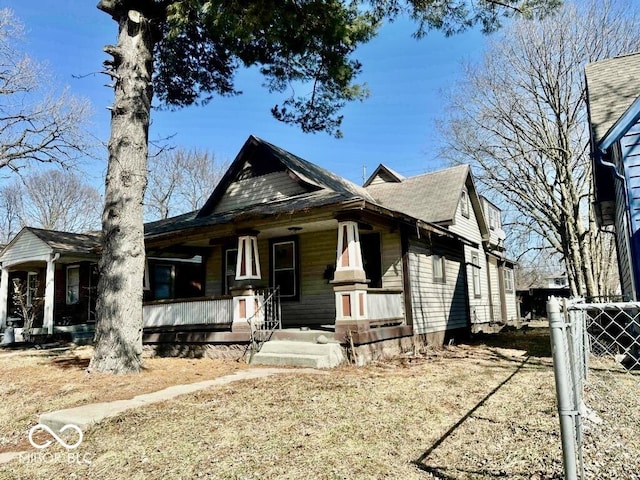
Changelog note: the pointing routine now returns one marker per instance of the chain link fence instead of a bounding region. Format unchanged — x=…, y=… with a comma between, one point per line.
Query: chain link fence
x=596, y=357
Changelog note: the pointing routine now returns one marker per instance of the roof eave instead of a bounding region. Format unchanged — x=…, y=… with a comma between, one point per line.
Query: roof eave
x=629, y=118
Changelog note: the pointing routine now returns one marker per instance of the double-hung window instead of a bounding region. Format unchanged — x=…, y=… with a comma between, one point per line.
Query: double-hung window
x=438, y=262
x=475, y=274
x=73, y=284
x=32, y=287
x=285, y=268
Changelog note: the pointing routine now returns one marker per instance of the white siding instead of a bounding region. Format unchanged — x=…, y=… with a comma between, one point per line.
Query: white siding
x=255, y=190
x=466, y=227
x=436, y=306
x=494, y=280
x=26, y=247
x=511, y=301
x=479, y=307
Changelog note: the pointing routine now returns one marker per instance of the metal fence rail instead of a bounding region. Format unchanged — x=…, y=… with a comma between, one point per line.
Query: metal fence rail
x=595, y=349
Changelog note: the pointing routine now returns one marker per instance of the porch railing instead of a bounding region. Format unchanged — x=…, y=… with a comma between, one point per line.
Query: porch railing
x=385, y=305
x=168, y=313
x=266, y=319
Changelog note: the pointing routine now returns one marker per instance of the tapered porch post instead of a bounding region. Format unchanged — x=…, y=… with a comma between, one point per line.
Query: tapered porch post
x=49, y=290
x=4, y=295
x=245, y=302
x=350, y=281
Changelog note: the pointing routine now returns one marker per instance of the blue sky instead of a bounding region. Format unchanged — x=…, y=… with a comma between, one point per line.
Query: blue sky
x=395, y=125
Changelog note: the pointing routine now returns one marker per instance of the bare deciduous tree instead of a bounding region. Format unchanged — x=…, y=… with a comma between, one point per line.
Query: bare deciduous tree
x=53, y=199
x=36, y=124
x=180, y=181
x=519, y=117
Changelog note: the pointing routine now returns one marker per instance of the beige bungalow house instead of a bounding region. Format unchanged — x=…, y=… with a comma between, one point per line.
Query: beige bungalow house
x=386, y=264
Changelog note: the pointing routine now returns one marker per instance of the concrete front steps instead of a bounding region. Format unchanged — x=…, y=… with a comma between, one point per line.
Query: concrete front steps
x=310, y=348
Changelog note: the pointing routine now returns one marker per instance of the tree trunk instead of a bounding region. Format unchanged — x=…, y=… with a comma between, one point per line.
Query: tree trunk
x=119, y=307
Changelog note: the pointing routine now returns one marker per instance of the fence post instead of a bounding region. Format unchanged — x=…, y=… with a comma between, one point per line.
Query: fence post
x=561, y=368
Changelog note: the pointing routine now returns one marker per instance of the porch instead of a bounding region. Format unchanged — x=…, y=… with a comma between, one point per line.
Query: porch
x=340, y=273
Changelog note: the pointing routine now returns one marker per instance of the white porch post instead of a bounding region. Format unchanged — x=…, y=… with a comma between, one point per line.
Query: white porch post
x=245, y=301
x=49, y=290
x=248, y=263
x=4, y=295
x=350, y=281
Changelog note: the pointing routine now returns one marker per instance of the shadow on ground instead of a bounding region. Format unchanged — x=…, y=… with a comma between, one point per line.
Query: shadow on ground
x=534, y=341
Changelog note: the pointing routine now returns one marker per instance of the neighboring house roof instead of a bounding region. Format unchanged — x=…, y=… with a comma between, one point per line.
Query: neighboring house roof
x=431, y=197
x=383, y=174
x=612, y=87
x=67, y=242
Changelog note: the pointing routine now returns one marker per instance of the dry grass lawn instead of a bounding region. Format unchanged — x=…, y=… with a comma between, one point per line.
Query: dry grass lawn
x=481, y=411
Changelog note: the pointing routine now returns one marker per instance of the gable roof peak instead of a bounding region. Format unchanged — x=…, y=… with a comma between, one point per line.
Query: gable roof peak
x=309, y=175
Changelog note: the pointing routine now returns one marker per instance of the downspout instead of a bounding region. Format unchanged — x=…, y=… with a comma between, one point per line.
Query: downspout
x=598, y=155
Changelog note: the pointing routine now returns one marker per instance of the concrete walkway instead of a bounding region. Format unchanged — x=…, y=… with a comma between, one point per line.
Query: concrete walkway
x=91, y=414
x=87, y=415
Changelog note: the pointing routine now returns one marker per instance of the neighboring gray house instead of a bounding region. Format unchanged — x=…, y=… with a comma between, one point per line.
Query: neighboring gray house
x=397, y=258
x=613, y=99
x=58, y=267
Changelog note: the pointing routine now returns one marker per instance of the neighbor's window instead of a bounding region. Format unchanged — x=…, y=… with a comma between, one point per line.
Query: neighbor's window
x=284, y=268
x=32, y=287
x=73, y=284
x=438, y=268
x=508, y=280
x=494, y=218
x=464, y=204
x=475, y=273
x=230, y=260
x=163, y=277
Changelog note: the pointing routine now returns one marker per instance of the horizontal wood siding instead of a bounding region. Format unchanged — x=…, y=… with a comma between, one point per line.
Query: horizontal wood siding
x=437, y=306
x=623, y=235
x=494, y=280
x=27, y=247
x=466, y=227
x=254, y=190
x=213, y=277
x=511, y=301
x=391, y=260
x=317, y=302
x=479, y=307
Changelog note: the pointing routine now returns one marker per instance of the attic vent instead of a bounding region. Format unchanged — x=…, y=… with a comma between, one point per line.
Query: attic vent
x=261, y=162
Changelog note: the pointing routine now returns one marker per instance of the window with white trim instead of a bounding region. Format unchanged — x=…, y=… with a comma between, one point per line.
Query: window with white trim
x=284, y=268
x=508, y=280
x=475, y=274
x=438, y=262
x=464, y=204
x=73, y=284
x=32, y=287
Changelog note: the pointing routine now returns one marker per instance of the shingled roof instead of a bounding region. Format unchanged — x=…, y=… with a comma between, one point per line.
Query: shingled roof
x=307, y=173
x=612, y=86
x=67, y=242
x=431, y=197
